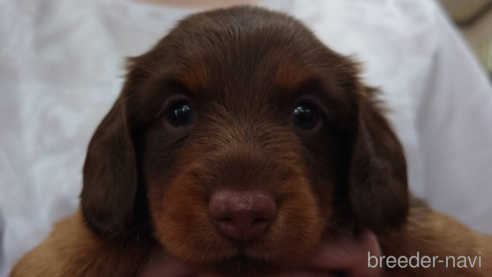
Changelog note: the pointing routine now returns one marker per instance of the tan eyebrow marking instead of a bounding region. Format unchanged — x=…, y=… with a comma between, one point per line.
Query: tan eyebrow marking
x=291, y=73
x=195, y=76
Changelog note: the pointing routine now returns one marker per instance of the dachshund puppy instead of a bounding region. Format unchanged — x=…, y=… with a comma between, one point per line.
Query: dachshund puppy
x=239, y=144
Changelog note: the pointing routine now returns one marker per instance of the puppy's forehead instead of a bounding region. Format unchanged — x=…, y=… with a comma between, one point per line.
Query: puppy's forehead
x=247, y=62
x=240, y=49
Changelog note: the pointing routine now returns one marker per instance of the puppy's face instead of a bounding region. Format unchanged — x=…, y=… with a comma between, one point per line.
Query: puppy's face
x=246, y=141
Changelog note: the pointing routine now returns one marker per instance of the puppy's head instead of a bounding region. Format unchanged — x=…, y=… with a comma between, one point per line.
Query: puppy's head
x=243, y=141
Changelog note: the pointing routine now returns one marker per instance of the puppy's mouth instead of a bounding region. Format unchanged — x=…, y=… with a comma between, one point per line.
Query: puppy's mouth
x=242, y=265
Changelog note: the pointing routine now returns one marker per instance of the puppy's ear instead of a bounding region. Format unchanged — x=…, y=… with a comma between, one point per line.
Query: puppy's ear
x=110, y=175
x=378, y=189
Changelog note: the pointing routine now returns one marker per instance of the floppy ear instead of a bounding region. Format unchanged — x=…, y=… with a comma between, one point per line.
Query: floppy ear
x=110, y=175
x=378, y=189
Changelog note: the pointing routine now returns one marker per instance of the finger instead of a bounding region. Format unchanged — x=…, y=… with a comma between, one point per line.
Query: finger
x=349, y=255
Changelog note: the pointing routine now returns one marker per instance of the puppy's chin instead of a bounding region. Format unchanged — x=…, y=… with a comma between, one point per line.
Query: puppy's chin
x=242, y=265
x=248, y=259
x=254, y=259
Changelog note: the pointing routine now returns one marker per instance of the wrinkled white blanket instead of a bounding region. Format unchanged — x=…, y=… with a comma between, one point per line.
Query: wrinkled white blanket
x=61, y=67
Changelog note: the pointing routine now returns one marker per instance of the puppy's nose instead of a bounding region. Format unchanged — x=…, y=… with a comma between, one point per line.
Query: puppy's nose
x=242, y=215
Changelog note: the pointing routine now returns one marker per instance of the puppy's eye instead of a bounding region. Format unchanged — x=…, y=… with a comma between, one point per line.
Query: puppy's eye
x=180, y=115
x=305, y=116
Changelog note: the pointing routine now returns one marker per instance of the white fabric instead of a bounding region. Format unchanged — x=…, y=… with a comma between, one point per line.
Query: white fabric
x=3, y=267
x=61, y=64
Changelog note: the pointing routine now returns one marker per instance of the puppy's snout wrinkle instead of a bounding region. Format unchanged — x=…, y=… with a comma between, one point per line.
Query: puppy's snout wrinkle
x=242, y=215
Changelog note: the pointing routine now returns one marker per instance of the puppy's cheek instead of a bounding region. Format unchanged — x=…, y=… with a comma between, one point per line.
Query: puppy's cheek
x=182, y=223
x=297, y=230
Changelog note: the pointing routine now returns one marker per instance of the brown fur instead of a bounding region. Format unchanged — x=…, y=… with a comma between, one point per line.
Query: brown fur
x=74, y=250
x=433, y=234
x=147, y=185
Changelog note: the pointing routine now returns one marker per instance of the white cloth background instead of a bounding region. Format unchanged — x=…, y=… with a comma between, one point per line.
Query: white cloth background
x=61, y=67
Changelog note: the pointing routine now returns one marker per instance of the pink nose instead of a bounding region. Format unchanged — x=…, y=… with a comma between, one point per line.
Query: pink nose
x=242, y=215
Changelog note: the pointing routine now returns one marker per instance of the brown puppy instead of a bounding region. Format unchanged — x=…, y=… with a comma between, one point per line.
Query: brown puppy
x=238, y=144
